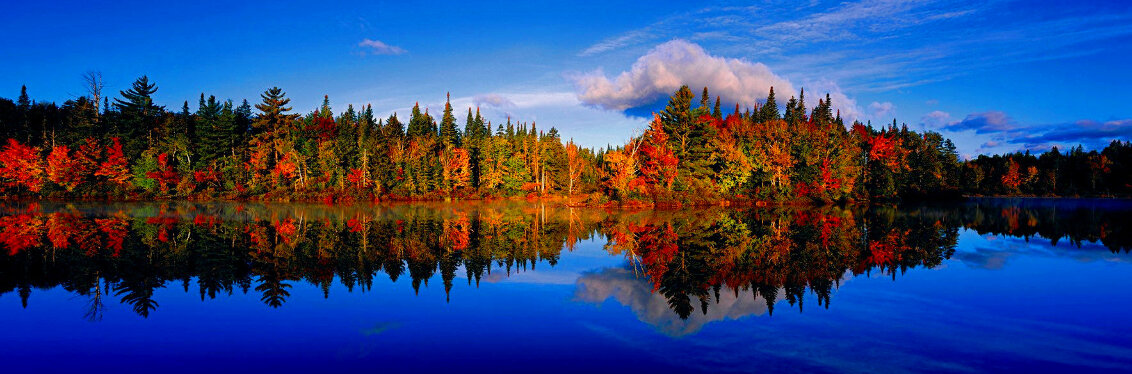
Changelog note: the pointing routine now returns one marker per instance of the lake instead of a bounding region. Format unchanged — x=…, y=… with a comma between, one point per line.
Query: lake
x=1037, y=285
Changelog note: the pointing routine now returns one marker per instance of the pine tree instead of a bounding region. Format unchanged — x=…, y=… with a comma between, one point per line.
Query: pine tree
x=24, y=103
x=716, y=112
x=769, y=111
x=677, y=120
x=243, y=123
x=449, y=134
x=791, y=115
x=394, y=129
x=471, y=132
x=273, y=125
x=183, y=126
x=210, y=137
x=420, y=124
x=138, y=116
x=800, y=110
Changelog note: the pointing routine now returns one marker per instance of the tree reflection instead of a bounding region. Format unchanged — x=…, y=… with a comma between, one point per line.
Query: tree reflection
x=694, y=265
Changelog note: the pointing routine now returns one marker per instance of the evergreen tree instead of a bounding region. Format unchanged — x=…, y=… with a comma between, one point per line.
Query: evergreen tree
x=138, y=116
x=243, y=122
x=800, y=111
x=210, y=138
x=769, y=111
x=394, y=129
x=274, y=123
x=24, y=102
x=791, y=116
x=676, y=120
x=449, y=134
x=420, y=124
x=183, y=125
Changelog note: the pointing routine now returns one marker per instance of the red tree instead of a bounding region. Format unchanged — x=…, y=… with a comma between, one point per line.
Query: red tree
x=114, y=168
x=164, y=175
x=658, y=162
x=60, y=168
x=20, y=165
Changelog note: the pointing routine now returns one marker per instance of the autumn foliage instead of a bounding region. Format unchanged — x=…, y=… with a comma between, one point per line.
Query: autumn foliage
x=688, y=155
x=21, y=166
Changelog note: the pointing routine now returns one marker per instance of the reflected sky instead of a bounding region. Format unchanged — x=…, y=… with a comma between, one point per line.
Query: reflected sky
x=484, y=287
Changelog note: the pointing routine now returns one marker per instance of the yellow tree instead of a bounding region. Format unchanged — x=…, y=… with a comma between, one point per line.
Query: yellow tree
x=575, y=166
x=456, y=168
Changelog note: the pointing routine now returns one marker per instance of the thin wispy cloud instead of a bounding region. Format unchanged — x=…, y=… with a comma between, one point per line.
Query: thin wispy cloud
x=882, y=45
x=620, y=41
x=377, y=47
x=493, y=100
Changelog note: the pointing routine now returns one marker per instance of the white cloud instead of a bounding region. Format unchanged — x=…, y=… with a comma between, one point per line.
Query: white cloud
x=493, y=100
x=935, y=120
x=881, y=111
x=378, y=47
x=842, y=103
x=668, y=66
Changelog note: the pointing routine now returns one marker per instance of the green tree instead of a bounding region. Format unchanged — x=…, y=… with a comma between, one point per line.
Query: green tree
x=138, y=116
x=769, y=111
x=449, y=134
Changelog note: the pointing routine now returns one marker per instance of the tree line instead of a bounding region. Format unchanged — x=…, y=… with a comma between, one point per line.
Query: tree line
x=131, y=148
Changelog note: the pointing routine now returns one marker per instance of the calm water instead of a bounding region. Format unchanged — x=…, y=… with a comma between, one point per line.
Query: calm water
x=988, y=285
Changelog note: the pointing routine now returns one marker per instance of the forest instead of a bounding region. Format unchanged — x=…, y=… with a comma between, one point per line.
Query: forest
x=692, y=153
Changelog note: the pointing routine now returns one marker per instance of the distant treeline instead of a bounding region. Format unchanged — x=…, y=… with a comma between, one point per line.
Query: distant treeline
x=129, y=147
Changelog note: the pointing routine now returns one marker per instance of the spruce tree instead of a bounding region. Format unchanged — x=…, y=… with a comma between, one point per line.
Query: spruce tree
x=210, y=139
x=183, y=124
x=419, y=123
x=471, y=132
x=791, y=111
x=394, y=129
x=676, y=119
x=138, y=116
x=769, y=111
x=24, y=103
x=800, y=110
x=449, y=134
x=274, y=122
x=243, y=123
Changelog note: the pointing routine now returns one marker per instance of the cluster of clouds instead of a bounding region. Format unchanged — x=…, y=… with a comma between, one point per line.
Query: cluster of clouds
x=666, y=67
x=1005, y=132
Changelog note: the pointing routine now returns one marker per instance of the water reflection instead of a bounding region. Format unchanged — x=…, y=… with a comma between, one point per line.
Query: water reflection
x=682, y=269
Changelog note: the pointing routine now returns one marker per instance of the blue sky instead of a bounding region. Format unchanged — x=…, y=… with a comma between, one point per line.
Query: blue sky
x=994, y=76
